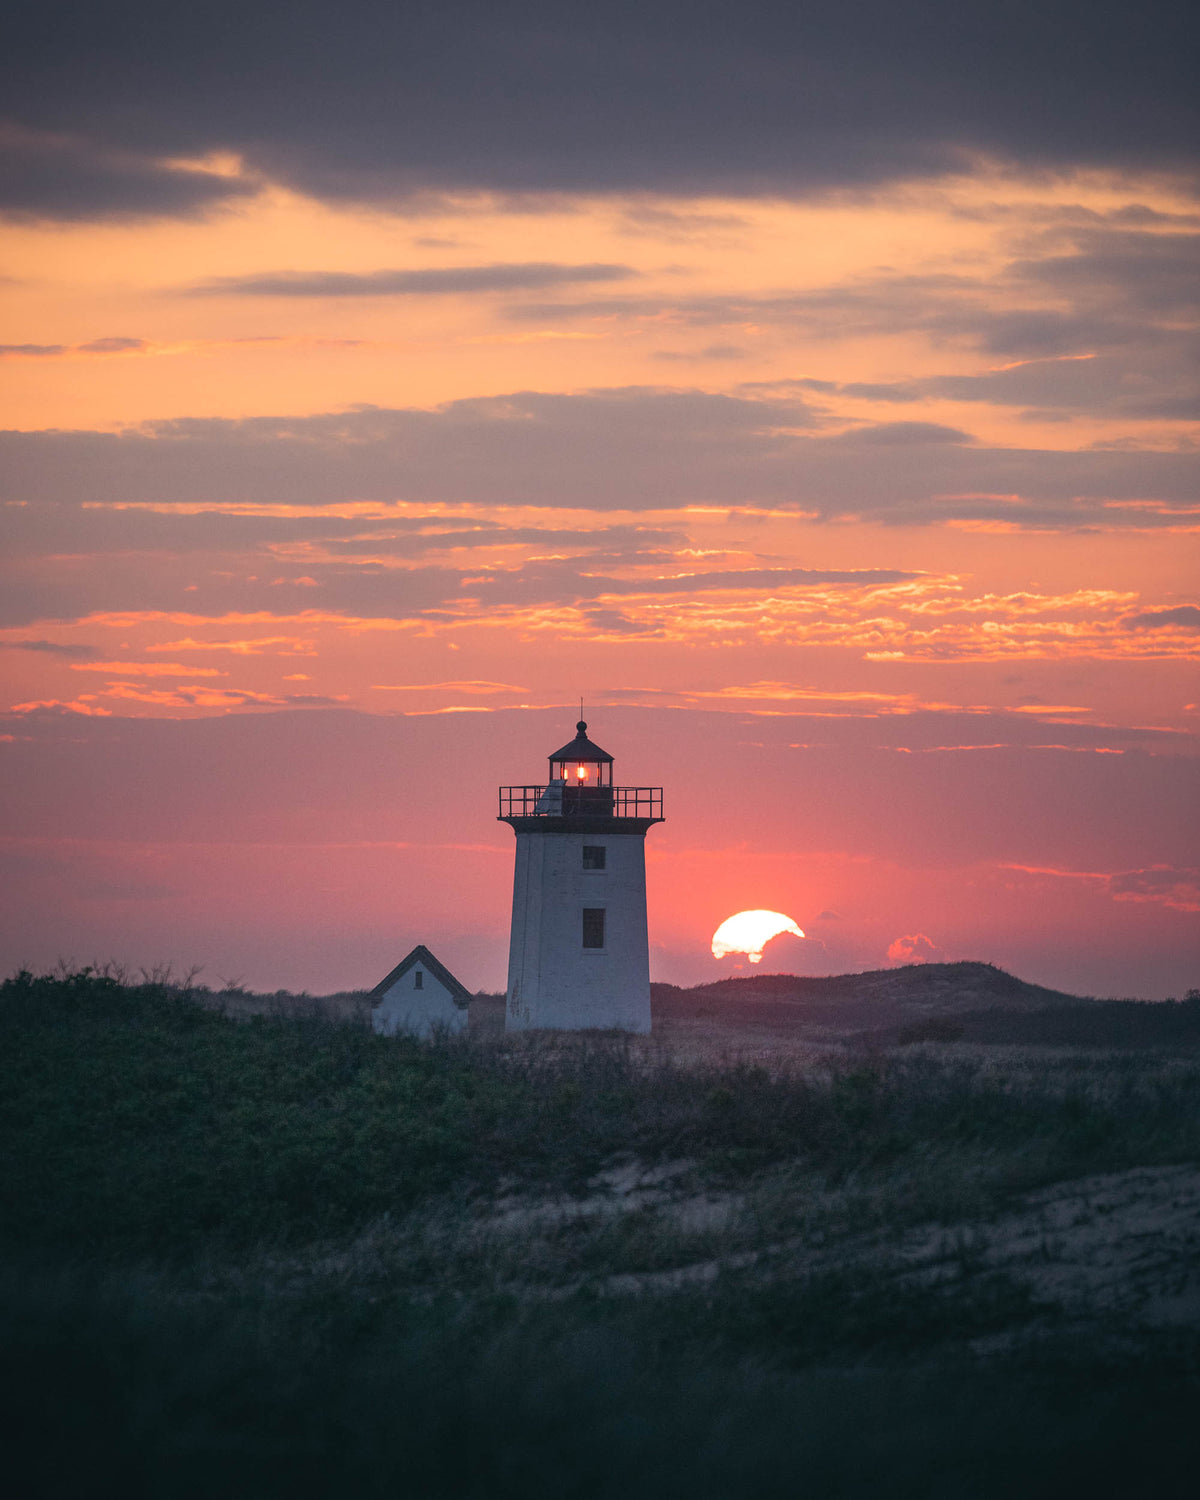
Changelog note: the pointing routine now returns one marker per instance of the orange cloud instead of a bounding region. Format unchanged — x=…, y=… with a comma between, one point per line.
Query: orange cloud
x=146, y=668
x=278, y=645
x=453, y=687
x=454, y=708
x=194, y=697
x=825, y=619
x=59, y=705
x=787, y=690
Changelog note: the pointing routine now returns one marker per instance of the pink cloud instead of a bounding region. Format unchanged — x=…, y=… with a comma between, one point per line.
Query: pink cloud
x=915, y=948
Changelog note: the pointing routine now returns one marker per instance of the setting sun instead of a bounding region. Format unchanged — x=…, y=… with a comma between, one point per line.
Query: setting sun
x=749, y=932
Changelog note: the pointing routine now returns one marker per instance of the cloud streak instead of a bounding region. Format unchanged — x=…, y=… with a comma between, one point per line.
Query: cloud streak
x=59, y=351
x=433, y=281
x=66, y=650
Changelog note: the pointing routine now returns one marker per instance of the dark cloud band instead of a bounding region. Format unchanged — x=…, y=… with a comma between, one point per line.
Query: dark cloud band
x=377, y=102
x=607, y=450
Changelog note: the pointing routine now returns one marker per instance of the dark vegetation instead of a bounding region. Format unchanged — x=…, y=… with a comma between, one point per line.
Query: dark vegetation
x=1103, y=1023
x=138, y=1121
x=252, y=1257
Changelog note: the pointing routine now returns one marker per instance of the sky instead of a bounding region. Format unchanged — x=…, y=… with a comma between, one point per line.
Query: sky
x=812, y=392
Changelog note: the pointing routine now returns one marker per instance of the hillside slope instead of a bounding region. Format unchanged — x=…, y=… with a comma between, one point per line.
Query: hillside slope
x=877, y=998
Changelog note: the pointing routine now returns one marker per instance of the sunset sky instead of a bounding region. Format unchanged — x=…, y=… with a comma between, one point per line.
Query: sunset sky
x=810, y=390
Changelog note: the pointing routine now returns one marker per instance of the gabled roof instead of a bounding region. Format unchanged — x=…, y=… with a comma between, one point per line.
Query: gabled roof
x=421, y=955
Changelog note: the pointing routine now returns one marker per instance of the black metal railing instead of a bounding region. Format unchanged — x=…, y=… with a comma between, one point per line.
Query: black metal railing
x=559, y=800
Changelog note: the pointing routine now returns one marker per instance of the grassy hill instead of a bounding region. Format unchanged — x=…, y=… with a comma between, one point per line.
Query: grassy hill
x=879, y=997
x=969, y=1002
x=280, y=1254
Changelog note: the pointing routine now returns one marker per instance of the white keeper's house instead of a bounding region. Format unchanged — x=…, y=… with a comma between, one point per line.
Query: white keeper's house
x=579, y=952
x=419, y=996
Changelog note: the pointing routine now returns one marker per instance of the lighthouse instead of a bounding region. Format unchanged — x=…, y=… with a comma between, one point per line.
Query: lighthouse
x=579, y=954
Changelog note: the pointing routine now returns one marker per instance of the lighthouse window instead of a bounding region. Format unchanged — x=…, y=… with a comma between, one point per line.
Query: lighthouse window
x=418, y=980
x=593, y=856
x=593, y=927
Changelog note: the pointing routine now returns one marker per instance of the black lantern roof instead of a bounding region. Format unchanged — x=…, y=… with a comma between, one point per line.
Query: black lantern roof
x=581, y=748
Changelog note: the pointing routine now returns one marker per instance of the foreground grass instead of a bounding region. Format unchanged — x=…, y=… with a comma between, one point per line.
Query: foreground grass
x=118, y=1390
x=268, y=1257
x=138, y=1122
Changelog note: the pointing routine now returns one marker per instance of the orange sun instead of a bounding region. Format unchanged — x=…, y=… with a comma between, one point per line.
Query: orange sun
x=749, y=932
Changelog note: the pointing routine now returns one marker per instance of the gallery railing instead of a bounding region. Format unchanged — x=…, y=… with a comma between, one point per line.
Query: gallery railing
x=558, y=800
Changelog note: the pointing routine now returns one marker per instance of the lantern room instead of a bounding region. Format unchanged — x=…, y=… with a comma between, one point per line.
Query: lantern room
x=580, y=763
x=580, y=789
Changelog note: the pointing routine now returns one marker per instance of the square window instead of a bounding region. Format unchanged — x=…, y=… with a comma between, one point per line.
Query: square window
x=594, y=856
x=418, y=980
x=593, y=927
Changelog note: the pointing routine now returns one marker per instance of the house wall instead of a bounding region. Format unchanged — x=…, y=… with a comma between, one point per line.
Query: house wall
x=422, y=1011
x=553, y=981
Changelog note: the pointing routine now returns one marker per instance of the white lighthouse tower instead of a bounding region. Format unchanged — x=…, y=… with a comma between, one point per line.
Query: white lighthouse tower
x=579, y=954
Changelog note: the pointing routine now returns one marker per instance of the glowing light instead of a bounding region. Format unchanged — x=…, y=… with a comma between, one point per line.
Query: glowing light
x=581, y=773
x=749, y=932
